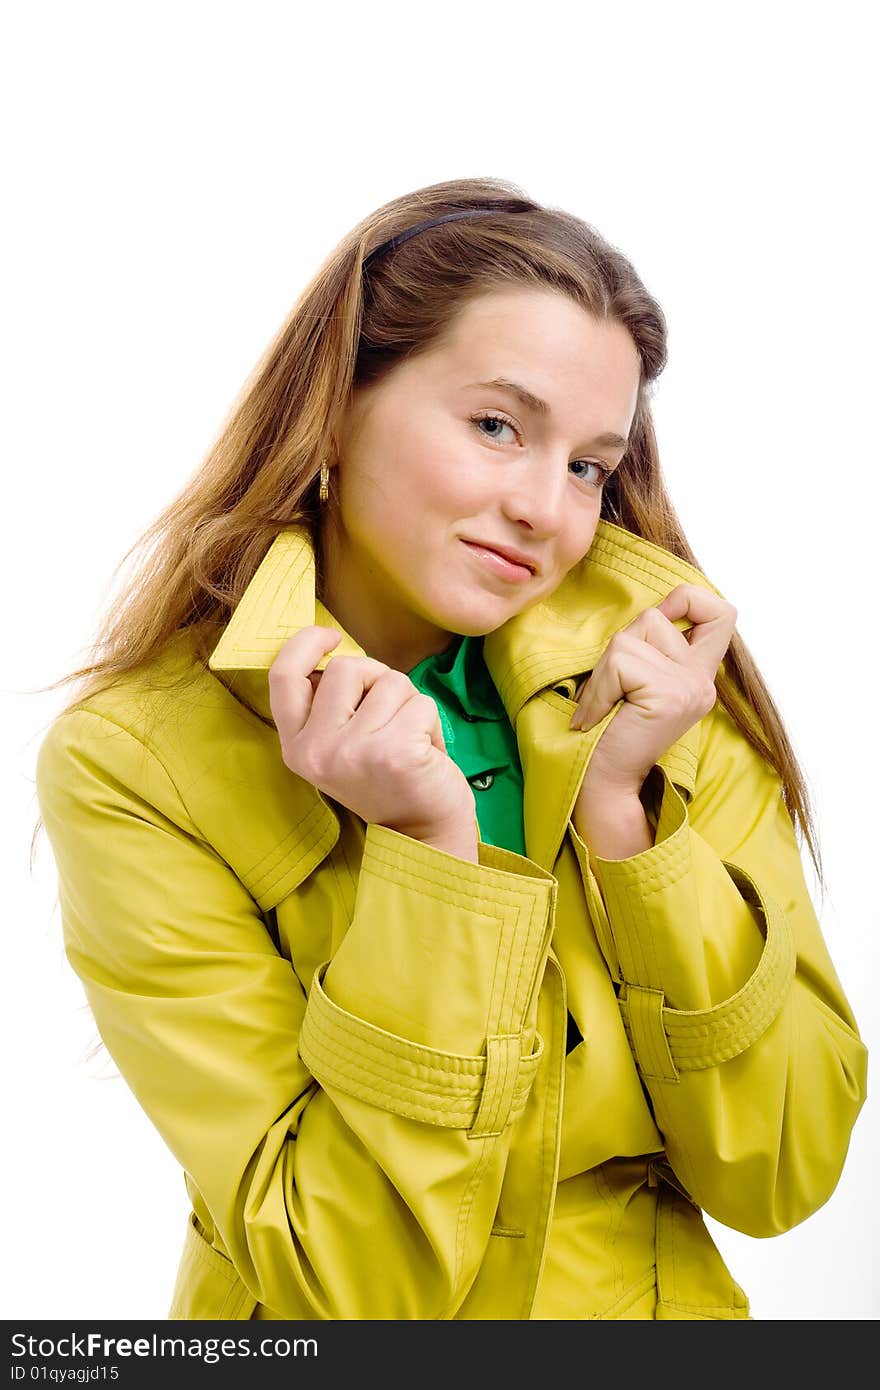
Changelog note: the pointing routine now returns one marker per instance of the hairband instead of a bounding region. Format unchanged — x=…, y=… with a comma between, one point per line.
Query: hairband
x=393, y=242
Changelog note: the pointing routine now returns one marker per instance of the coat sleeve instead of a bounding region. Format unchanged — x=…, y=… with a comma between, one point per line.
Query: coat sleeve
x=740, y=1029
x=349, y=1134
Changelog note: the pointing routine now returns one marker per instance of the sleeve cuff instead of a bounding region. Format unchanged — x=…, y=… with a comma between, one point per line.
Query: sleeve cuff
x=668, y=1041
x=644, y=910
x=428, y=1007
x=480, y=1094
x=666, y=860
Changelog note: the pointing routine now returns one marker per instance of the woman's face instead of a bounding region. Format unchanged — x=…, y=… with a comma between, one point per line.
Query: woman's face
x=423, y=470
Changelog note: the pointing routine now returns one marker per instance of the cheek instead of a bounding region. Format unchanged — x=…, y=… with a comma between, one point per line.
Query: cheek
x=581, y=545
x=436, y=477
x=577, y=542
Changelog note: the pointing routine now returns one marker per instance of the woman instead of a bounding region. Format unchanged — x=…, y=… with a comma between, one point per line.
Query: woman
x=425, y=832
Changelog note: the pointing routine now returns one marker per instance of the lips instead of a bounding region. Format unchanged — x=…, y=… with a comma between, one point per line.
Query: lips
x=491, y=560
x=516, y=557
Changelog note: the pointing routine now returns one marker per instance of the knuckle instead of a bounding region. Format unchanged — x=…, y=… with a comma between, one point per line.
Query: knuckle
x=340, y=663
x=391, y=676
x=683, y=701
x=399, y=759
x=709, y=695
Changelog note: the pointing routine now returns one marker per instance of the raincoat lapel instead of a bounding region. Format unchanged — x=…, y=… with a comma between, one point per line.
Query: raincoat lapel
x=535, y=659
x=538, y=658
x=278, y=602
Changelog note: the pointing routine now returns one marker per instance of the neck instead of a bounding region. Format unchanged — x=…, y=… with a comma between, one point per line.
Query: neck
x=372, y=615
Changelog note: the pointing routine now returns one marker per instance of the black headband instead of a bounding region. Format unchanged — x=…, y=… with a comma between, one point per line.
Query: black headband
x=393, y=242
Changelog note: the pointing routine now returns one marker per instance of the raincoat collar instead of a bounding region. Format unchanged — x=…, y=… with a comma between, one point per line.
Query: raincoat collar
x=550, y=644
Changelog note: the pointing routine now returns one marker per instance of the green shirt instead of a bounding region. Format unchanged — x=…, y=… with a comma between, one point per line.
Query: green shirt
x=479, y=736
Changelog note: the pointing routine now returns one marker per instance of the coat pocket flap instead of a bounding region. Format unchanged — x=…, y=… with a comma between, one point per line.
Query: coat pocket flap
x=207, y=1285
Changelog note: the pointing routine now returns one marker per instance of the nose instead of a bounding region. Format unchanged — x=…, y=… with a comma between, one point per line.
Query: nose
x=539, y=493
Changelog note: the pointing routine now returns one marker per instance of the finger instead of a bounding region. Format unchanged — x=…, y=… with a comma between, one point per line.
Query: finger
x=652, y=643
x=342, y=686
x=394, y=696
x=713, y=621
x=436, y=731
x=385, y=699
x=290, y=690
x=415, y=715
x=301, y=652
x=380, y=704
x=655, y=629
x=600, y=694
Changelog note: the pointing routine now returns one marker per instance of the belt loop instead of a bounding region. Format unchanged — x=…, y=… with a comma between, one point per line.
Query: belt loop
x=651, y=1046
x=503, y=1052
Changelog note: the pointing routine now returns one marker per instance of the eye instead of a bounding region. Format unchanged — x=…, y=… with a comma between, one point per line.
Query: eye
x=495, y=418
x=604, y=473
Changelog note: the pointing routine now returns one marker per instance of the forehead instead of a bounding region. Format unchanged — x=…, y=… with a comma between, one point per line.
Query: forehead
x=540, y=338
x=507, y=330
x=515, y=310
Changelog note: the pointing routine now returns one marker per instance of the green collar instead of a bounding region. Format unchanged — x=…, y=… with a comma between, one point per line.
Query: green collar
x=478, y=735
x=459, y=672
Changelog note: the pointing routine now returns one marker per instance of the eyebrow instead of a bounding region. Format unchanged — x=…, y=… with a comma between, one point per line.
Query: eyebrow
x=534, y=403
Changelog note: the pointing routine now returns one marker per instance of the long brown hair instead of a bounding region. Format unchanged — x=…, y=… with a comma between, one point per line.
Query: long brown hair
x=350, y=327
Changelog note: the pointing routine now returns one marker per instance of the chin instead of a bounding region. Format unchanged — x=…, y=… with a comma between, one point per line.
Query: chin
x=475, y=614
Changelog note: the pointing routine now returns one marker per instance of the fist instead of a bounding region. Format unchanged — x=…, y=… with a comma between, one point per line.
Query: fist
x=362, y=733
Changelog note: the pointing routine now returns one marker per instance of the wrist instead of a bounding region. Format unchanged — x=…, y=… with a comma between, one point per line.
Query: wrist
x=613, y=825
x=463, y=846
x=459, y=838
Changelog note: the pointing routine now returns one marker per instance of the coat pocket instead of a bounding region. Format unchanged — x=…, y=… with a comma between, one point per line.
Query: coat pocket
x=207, y=1285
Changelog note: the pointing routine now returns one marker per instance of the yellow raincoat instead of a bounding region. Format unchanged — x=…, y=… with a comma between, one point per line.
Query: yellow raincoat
x=354, y=1043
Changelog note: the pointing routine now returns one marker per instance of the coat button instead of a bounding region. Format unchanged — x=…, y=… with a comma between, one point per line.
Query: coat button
x=482, y=781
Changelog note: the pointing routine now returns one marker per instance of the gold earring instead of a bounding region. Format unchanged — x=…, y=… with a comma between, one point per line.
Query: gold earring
x=324, y=492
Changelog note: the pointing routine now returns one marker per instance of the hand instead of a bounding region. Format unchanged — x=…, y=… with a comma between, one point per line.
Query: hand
x=666, y=679
x=361, y=732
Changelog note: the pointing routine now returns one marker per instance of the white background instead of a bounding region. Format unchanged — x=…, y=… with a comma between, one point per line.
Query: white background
x=174, y=175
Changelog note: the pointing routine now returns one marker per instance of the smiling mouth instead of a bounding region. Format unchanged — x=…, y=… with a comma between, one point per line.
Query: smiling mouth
x=505, y=569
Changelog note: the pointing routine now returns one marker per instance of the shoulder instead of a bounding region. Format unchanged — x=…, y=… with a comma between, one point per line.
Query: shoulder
x=173, y=708
x=171, y=738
